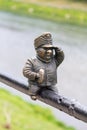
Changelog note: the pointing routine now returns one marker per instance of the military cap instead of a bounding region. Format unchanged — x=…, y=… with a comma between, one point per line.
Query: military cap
x=44, y=39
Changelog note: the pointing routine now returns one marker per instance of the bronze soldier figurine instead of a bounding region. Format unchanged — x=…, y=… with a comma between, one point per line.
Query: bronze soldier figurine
x=42, y=71
x=42, y=76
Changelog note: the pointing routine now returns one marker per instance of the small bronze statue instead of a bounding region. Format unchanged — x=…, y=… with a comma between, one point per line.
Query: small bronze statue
x=42, y=70
x=42, y=76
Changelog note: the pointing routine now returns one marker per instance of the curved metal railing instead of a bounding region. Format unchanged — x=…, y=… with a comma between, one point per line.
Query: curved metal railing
x=64, y=104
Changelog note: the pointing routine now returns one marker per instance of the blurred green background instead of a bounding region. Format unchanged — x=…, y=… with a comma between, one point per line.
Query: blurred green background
x=17, y=114
x=65, y=11
x=20, y=22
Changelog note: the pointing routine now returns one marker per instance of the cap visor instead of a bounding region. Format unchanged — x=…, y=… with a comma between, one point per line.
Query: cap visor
x=47, y=46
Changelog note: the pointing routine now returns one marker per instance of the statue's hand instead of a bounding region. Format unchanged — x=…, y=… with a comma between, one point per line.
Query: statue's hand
x=40, y=76
x=57, y=48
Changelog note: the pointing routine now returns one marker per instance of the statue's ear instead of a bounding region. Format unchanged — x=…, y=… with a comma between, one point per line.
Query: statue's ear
x=37, y=51
x=40, y=51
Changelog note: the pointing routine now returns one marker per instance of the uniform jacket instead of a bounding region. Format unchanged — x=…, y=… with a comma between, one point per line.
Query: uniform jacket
x=33, y=66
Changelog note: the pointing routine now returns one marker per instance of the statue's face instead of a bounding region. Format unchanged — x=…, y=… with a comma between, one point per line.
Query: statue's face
x=45, y=53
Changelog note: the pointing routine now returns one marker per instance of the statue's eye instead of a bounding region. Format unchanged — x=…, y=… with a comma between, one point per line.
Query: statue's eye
x=42, y=49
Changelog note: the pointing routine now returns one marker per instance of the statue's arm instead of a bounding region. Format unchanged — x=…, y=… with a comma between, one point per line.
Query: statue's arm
x=28, y=71
x=59, y=56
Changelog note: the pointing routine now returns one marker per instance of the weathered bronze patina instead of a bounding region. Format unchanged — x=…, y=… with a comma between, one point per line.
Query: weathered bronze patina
x=42, y=70
x=42, y=76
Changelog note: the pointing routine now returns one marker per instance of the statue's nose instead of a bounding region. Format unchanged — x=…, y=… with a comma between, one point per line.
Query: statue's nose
x=49, y=51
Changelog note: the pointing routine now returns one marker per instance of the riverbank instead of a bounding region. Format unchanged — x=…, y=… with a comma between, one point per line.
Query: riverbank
x=28, y=116
x=46, y=11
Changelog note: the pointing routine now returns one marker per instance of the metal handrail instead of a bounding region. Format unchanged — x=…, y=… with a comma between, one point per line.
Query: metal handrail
x=64, y=104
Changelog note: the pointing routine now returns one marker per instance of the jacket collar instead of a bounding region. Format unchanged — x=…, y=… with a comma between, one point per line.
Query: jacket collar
x=46, y=61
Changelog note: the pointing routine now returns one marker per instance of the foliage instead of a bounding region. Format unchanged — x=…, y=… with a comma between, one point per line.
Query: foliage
x=16, y=114
x=62, y=15
x=80, y=0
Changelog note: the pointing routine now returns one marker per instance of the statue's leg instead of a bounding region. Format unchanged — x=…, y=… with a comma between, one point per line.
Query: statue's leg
x=53, y=88
x=33, y=90
x=50, y=93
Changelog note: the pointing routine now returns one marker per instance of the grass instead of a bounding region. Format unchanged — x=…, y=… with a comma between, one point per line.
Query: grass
x=45, y=11
x=16, y=114
x=75, y=4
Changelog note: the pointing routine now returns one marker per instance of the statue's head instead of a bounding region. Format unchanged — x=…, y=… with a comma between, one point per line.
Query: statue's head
x=43, y=46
